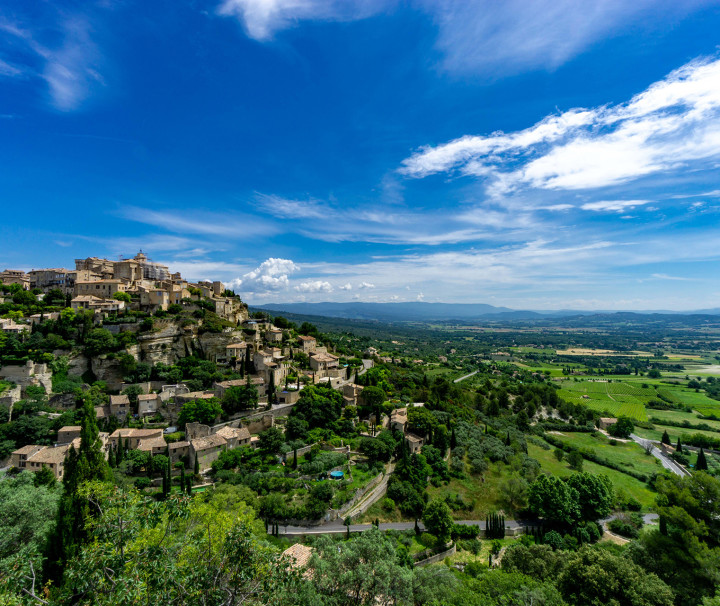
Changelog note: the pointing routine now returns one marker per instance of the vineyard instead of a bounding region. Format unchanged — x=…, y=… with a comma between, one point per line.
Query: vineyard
x=616, y=398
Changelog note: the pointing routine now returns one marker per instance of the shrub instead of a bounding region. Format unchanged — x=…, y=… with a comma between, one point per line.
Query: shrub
x=388, y=504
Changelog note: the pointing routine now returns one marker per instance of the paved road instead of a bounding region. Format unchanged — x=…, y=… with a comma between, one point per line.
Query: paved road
x=364, y=504
x=465, y=377
x=666, y=461
x=338, y=527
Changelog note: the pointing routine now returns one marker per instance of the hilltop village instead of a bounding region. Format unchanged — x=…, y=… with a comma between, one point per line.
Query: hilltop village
x=149, y=423
x=144, y=324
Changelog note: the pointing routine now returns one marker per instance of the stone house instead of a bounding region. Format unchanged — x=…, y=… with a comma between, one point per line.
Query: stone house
x=234, y=436
x=274, y=335
x=19, y=457
x=15, y=276
x=154, y=445
x=206, y=450
x=133, y=436
x=68, y=433
x=105, y=289
x=399, y=419
x=415, y=443
x=323, y=362
x=288, y=397
x=148, y=404
x=179, y=451
x=48, y=279
x=605, y=422
x=120, y=406
x=307, y=344
x=223, y=386
x=34, y=458
x=352, y=394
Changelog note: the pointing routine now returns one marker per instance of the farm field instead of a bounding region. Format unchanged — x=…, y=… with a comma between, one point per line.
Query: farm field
x=620, y=481
x=617, y=398
x=679, y=416
x=627, y=454
x=673, y=432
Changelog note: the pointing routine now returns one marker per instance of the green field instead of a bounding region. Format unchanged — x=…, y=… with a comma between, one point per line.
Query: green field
x=627, y=454
x=616, y=397
x=620, y=481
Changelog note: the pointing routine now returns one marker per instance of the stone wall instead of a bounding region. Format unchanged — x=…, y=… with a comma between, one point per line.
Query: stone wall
x=437, y=557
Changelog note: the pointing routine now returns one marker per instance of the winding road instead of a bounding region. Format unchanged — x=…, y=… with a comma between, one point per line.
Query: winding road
x=666, y=461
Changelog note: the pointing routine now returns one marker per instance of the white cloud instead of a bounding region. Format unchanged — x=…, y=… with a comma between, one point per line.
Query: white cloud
x=506, y=37
x=364, y=285
x=270, y=275
x=420, y=297
x=314, y=286
x=674, y=122
x=262, y=18
x=347, y=286
x=71, y=69
x=613, y=205
x=206, y=223
x=285, y=208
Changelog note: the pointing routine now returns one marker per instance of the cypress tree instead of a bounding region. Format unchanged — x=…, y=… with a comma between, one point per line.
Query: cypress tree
x=663, y=526
x=701, y=464
x=182, y=479
x=188, y=485
x=111, y=458
x=197, y=466
x=294, y=459
x=665, y=438
x=86, y=464
x=678, y=448
x=453, y=440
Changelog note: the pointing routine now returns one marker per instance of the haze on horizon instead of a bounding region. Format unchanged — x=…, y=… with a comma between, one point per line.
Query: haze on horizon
x=545, y=155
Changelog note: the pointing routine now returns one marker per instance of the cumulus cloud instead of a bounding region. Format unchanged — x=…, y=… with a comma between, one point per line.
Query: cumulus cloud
x=674, y=122
x=347, y=286
x=314, y=286
x=270, y=275
x=363, y=285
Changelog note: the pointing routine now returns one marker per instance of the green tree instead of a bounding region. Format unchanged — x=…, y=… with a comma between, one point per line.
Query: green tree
x=554, y=500
x=438, y=519
x=701, y=464
x=595, y=495
x=84, y=465
x=200, y=411
x=271, y=440
x=27, y=514
x=363, y=572
x=122, y=296
x=622, y=428
x=594, y=576
x=99, y=341
x=239, y=398
x=575, y=460
x=318, y=405
x=665, y=438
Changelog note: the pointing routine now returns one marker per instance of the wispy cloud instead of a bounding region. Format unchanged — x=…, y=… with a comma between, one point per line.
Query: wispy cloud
x=201, y=222
x=63, y=54
x=674, y=122
x=262, y=18
x=613, y=205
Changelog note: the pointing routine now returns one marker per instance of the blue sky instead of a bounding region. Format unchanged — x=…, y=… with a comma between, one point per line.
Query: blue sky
x=539, y=155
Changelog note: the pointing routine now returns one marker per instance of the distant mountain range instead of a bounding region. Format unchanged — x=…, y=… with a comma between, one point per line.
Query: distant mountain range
x=428, y=312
